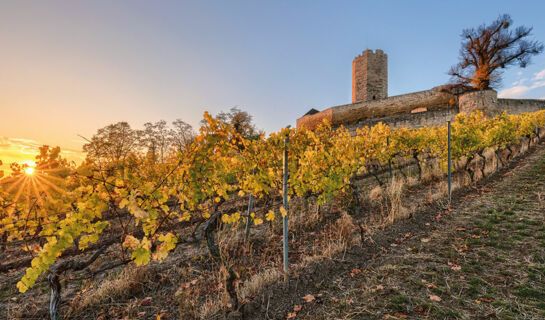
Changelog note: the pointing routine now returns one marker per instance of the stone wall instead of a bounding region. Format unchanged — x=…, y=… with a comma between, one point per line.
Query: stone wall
x=516, y=106
x=488, y=102
x=484, y=101
x=412, y=120
x=422, y=101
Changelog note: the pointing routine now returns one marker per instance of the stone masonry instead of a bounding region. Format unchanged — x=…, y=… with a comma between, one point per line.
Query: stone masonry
x=370, y=76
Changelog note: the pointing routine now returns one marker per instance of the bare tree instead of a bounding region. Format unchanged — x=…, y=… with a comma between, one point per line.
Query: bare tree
x=241, y=121
x=181, y=135
x=112, y=144
x=487, y=49
x=156, y=139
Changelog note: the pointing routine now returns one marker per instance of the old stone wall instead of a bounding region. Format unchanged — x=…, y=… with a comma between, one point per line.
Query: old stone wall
x=488, y=102
x=484, y=101
x=426, y=101
x=412, y=120
x=517, y=106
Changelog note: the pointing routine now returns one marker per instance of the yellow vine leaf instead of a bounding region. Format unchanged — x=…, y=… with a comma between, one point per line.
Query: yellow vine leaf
x=269, y=216
x=131, y=242
x=283, y=211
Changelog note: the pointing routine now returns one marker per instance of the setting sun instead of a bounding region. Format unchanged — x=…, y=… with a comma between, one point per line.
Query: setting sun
x=29, y=171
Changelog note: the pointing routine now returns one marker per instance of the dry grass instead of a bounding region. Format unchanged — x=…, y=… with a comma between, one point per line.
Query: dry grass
x=432, y=171
x=375, y=194
x=259, y=281
x=412, y=181
x=344, y=228
x=393, y=196
x=305, y=216
x=441, y=190
x=341, y=236
x=332, y=248
x=127, y=284
x=209, y=308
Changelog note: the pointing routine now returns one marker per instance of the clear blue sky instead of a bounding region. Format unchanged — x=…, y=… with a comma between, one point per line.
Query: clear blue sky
x=71, y=67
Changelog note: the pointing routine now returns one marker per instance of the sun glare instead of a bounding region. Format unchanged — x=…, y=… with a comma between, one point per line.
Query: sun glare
x=29, y=171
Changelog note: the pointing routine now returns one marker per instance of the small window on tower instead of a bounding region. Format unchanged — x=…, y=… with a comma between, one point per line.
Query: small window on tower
x=374, y=98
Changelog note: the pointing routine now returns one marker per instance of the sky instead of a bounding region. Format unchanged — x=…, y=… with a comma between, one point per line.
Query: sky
x=68, y=68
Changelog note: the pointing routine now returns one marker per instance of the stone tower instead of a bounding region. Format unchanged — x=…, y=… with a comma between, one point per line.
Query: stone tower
x=370, y=76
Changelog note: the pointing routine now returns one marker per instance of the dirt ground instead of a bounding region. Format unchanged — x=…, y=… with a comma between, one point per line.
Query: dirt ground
x=481, y=258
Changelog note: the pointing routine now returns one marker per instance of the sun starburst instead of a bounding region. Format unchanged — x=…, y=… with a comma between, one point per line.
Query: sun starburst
x=34, y=183
x=29, y=171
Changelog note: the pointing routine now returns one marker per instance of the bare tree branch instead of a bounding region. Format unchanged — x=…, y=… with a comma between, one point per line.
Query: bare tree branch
x=487, y=49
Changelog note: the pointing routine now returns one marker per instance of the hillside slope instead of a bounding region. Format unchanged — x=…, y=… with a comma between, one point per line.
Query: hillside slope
x=484, y=259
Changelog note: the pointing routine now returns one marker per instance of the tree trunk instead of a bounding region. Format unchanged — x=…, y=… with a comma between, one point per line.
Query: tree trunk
x=419, y=166
x=55, y=285
x=230, y=278
x=55, y=300
x=209, y=232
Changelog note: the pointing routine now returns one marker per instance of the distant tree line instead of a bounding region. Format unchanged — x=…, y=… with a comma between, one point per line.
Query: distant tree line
x=157, y=142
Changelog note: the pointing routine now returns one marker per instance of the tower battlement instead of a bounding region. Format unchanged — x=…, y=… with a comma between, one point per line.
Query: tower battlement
x=370, y=76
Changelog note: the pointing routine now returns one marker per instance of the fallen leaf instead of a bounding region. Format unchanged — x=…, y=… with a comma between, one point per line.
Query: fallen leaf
x=486, y=300
x=400, y=315
x=435, y=298
x=354, y=272
x=380, y=287
x=456, y=267
x=146, y=301
x=425, y=239
x=309, y=298
x=297, y=308
x=291, y=315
